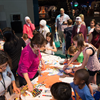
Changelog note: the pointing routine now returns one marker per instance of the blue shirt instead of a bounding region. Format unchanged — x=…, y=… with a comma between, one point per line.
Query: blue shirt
x=81, y=94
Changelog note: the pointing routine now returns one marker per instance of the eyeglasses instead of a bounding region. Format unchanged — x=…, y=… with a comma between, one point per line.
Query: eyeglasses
x=3, y=66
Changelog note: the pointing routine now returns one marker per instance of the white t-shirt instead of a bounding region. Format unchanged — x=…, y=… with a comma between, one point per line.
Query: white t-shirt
x=7, y=80
x=51, y=47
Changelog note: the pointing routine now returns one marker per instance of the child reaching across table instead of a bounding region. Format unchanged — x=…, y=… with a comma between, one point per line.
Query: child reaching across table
x=61, y=91
x=72, y=51
x=79, y=85
x=90, y=58
x=50, y=45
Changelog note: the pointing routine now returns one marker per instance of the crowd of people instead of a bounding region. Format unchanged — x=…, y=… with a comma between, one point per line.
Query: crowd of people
x=22, y=55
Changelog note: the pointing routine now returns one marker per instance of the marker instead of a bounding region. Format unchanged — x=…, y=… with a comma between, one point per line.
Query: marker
x=47, y=95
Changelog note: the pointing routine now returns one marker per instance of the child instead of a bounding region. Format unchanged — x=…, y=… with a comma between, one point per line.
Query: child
x=90, y=28
x=26, y=39
x=90, y=58
x=80, y=87
x=50, y=45
x=61, y=91
x=72, y=51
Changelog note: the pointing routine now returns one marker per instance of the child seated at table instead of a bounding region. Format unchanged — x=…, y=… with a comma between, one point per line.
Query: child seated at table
x=61, y=91
x=72, y=51
x=50, y=47
x=26, y=39
x=79, y=85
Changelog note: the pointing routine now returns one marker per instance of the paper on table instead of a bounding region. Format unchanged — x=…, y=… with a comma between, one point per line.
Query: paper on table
x=48, y=80
x=46, y=67
x=67, y=79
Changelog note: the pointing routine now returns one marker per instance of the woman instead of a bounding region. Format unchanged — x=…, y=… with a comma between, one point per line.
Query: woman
x=82, y=17
x=90, y=57
x=43, y=28
x=28, y=28
x=6, y=76
x=94, y=38
x=29, y=61
x=13, y=46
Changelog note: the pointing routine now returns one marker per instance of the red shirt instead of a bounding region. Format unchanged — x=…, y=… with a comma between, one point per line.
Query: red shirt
x=96, y=39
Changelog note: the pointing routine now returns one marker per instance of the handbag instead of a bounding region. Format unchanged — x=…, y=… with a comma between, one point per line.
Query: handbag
x=57, y=42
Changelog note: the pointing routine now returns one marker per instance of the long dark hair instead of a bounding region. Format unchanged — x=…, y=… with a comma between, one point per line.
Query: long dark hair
x=38, y=39
x=9, y=36
x=3, y=57
x=50, y=35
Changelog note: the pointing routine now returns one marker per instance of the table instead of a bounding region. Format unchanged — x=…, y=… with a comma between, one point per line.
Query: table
x=52, y=61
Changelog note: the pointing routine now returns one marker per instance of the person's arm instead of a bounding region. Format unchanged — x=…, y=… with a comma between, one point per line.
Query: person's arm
x=88, y=52
x=73, y=59
x=24, y=29
x=15, y=89
x=56, y=25
x=55, y=49
x=32, y=26
x=90, y=38
x=85, y=34
x=88, y=95
x=25, y=65
x=30, y=86
x=98, y=52
x=73, y=32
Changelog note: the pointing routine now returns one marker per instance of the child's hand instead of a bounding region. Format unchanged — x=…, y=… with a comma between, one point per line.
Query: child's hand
x=64, y=68
x=68, y=71
x=48, y=48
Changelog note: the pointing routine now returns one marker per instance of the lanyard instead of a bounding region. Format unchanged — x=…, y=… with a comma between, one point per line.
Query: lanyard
x=3, y=83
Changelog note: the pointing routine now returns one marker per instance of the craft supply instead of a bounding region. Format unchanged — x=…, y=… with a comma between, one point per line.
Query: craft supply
x=36, y=92
x=47, y=95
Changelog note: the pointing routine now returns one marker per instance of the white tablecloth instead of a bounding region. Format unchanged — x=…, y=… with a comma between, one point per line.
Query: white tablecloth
x=53, y=60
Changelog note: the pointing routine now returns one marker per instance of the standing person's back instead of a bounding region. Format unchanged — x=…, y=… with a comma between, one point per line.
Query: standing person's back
x=68, y=34
x=13, y=46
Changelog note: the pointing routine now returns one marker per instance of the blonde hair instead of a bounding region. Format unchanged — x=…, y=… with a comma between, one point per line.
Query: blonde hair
x=82, y=17
x=71, y=50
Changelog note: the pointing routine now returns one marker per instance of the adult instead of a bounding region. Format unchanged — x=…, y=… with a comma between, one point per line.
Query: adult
x=13, y=46
x=28, y=28
x=82, y=17
x=79, y=28
x=94, y=37
x=67, y=35
x=90, y=57
x=73, y=15
x=61, y=24
x=6, y=76
x=43, y=28
x=29, y=61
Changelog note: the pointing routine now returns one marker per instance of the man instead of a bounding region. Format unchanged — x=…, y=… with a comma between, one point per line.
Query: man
x=61, y=24
x=79, y=28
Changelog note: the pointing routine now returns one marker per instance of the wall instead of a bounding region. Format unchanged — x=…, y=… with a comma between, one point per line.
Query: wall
x=23, y=7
